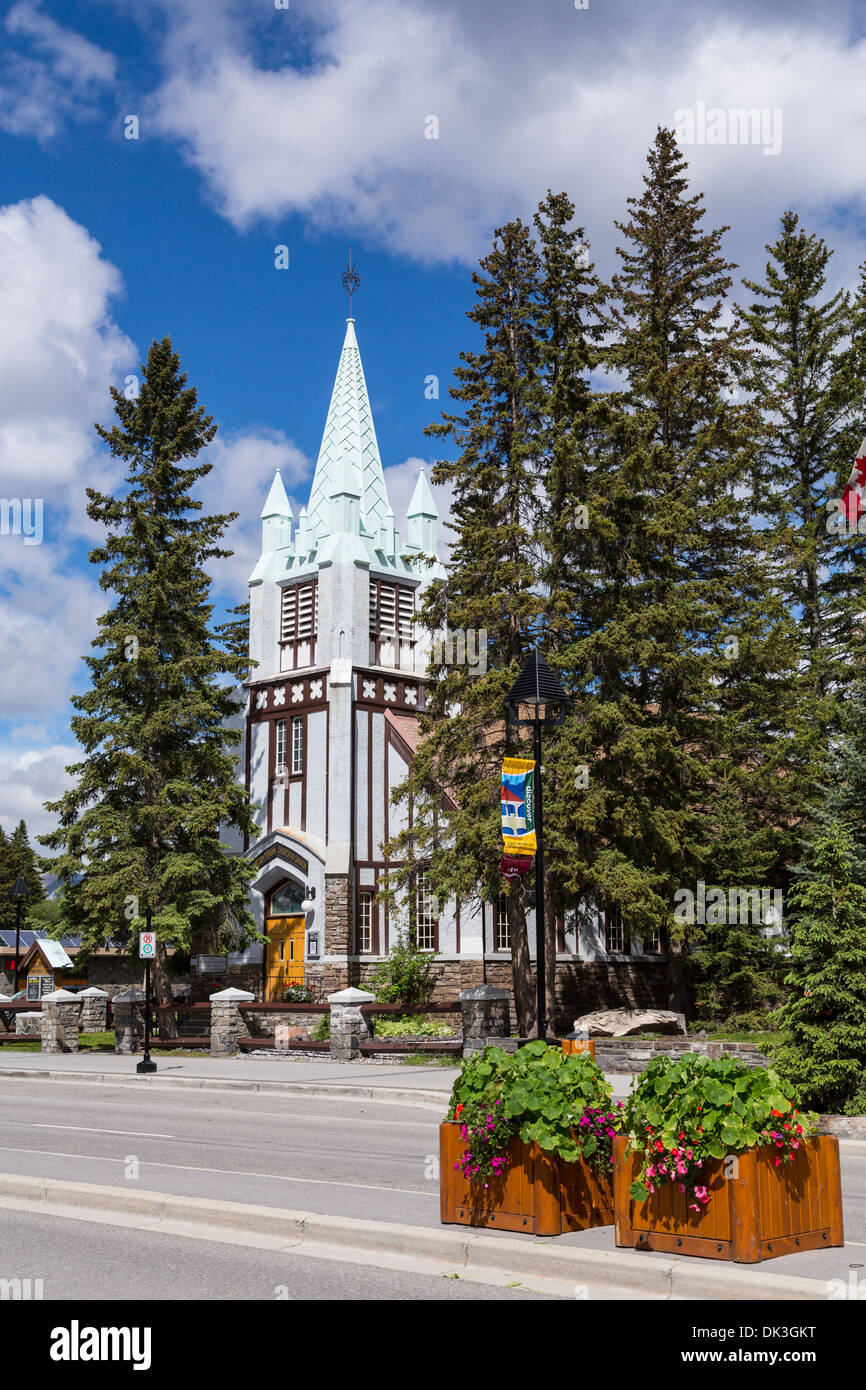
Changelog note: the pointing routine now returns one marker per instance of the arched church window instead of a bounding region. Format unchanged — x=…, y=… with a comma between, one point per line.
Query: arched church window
x=286, y=901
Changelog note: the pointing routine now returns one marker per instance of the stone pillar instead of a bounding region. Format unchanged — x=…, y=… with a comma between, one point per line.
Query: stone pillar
x=128, y=1023
x=60, y=1011
x=226, y=1024
x=485, y=1013
x=348, y=1025
x=94, y=1010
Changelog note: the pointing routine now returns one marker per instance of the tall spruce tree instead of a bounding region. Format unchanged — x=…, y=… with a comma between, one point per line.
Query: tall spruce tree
x=490, y=589
x=141, y=826
x=569, y=515
x=809, y=380
x=669, y=542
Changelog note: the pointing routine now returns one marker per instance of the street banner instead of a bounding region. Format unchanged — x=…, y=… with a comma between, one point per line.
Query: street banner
x=514, y=866
x=518, y=806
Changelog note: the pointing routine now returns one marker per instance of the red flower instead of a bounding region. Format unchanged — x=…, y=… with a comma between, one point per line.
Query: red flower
x=457, y=1112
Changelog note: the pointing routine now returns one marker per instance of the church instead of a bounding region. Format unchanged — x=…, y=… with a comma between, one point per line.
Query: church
x=337, y=682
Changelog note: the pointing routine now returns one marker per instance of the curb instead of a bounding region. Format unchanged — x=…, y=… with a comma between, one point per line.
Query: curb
x=460, y=1248
x=207, y=1083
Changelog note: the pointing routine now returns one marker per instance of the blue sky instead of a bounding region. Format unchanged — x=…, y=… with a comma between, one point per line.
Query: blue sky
x=308, y=127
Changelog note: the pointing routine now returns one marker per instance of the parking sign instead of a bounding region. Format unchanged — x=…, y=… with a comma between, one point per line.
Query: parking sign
x=146, y=945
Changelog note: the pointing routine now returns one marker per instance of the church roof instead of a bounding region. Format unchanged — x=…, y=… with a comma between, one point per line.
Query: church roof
x=349, y=436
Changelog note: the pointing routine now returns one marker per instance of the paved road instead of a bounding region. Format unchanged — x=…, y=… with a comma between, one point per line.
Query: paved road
x=369, y=1159
x=82, y=1260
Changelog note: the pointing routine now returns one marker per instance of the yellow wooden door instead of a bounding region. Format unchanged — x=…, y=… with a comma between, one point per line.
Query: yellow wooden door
x=285, y=955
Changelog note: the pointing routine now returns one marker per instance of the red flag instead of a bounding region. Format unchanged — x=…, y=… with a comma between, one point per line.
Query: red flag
x=854, y=496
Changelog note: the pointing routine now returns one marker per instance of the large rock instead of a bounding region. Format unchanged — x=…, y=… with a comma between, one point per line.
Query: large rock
x=622, y=1023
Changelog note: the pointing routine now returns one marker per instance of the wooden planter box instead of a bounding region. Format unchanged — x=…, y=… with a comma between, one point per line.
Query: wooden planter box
x=537, y=1192
x=759, y=1214
x=579, y=1045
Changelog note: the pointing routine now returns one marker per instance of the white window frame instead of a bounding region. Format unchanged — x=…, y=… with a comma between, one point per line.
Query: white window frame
x=614, y=931
x=365, y=921
x=501, y=929
x=426, y=915
x=280, y=753
x=297, y=744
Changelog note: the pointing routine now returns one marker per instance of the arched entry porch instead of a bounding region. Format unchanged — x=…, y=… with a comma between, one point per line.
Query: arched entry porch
x=291, y=870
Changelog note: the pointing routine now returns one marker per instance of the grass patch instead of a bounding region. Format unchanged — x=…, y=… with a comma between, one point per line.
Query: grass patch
x=412, y=1026
x=430, y=1060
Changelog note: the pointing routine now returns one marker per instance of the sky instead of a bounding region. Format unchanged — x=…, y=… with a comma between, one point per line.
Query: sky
x=154, y=156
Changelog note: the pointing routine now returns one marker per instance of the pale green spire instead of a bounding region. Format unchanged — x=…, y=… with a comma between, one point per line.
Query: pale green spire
x=351, y=435
x=422, y=517
x=276, y=518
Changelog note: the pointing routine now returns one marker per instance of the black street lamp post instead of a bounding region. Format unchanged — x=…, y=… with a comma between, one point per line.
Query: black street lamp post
x=18, y=892
x=538, y=688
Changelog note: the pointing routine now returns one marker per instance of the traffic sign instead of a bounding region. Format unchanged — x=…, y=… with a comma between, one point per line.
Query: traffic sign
x=146, y=945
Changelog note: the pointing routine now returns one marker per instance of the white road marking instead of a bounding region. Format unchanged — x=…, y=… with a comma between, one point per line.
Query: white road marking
x=228, y=1172
x=95, y=1129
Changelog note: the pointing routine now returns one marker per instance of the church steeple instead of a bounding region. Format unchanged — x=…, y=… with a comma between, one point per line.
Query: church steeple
x=350, y=434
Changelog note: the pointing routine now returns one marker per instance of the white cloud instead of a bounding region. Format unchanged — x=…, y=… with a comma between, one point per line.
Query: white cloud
x=29, y=779
x=59, y=350
x=51, y=74
x=542, y=95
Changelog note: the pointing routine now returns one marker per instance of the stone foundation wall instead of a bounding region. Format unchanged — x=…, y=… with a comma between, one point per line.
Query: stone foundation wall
x=581, y=986
x=633, y=1054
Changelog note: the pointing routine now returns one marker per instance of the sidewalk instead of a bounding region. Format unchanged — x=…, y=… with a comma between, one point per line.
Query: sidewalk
x=395, y=1082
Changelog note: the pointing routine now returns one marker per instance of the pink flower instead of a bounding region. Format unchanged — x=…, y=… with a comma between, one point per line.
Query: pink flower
x=794, y=1144
x=681, y=1186
x=777, y=1161
x=702, y=1194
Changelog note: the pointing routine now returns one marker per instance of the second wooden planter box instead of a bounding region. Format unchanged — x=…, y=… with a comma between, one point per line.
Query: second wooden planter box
x=757, y=1213
x=537, y=1193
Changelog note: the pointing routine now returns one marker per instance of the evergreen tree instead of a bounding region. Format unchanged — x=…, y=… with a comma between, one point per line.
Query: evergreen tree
x=17, y=857
x=674, y=573
x=809, y=384
x=825, y=1016
x=489, y=589
x=141, y=826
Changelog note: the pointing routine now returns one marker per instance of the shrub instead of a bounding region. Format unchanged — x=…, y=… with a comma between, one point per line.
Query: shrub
x=683, y=1112
x=406, y=977
x=559, y=1101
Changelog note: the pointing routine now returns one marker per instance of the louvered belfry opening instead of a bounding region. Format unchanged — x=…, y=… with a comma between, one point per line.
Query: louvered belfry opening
x=298, y=625
x=392, y=625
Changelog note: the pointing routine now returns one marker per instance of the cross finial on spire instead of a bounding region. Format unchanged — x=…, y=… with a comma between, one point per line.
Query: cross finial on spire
x=351, y=280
